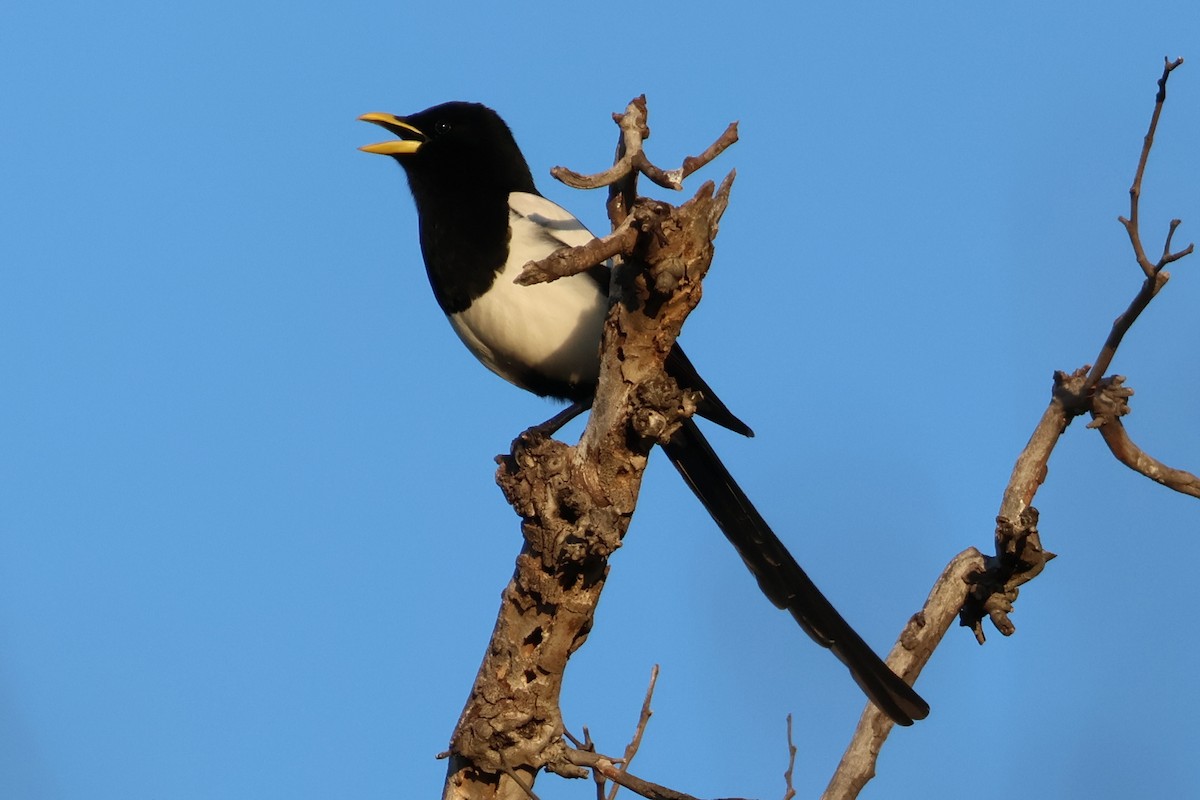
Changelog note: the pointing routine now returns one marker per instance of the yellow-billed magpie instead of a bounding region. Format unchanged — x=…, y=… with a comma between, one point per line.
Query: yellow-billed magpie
x=481, y=220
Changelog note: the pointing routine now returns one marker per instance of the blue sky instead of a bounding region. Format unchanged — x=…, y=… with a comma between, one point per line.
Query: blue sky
x=250, y=545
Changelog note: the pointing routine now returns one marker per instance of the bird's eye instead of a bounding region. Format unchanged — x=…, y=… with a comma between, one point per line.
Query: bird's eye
x=441, y=126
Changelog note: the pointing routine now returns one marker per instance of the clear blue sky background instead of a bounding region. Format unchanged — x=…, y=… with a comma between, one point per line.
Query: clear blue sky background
x=250, y=546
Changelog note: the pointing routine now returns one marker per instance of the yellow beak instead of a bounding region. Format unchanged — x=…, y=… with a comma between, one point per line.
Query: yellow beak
x=397, y=126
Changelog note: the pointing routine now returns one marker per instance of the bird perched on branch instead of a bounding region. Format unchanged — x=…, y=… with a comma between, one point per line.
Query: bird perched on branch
x=481, y=220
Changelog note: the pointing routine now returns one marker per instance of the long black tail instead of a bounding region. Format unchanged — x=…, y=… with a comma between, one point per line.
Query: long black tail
x=781, y=578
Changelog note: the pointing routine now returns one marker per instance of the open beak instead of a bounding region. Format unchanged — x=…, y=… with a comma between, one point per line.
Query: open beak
x=410, y=139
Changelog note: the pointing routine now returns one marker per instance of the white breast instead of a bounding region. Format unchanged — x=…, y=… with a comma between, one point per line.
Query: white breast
x=553, y=328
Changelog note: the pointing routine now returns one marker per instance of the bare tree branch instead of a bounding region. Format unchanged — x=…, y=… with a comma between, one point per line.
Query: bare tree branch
x=1106, y=398
x=789, y=790
x=573, y=260
x=1156, y=278
x=631, y=158
x=519, y=781
x=576, y=502
x=605, y=766
x=1108, y=406
x=1122, y=324
x=643, y=719
x=1135, y=191
x=909, y=655
x=975, y=587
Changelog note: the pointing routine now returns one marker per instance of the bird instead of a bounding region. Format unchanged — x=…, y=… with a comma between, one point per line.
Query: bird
x=481, y=218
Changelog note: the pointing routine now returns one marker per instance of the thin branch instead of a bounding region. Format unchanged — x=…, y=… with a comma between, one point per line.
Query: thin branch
x=1167, y=255
x=568, y=261
x=1156, y=278
x=1109, y=405
x=623, y=195
x=673, y=179
x=1106, y=398
x=975, y=587
x=586, y=744
x=1019, y=551
x=1121, y=325
x=632, y=158
x=1129, y=454
x=643, y=718
x=693, y=163
x=633, y=131
x=590, y=747
x=1135, y=190
x=517, y=779
x=606, y=767
x=909, y=655
x=790, y=791
x=1031, y=465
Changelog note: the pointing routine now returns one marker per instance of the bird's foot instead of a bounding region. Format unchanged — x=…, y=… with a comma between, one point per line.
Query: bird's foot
x=555, y=423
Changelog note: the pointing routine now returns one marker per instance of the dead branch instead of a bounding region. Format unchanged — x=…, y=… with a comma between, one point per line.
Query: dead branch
x=643, y=719
x=606, y=767
x=632, y=159
x=576, y=503
x=910, y=654
x=1108, y=406
x=1135, y=191
x=1156, y=278
x=976, y=587
x=1019, y=553
x=789, y=790
x=573, y=260
x=519, y=781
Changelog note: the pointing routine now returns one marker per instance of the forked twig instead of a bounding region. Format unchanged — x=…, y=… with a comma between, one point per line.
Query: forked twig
x=632, y=158
x=606, y=767
x=1156, y=278
x=987, y=586
x=631, y=161
x=1135, y=191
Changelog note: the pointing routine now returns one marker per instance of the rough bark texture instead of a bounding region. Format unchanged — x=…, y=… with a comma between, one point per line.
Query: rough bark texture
x=575, y=504
x=986, y=587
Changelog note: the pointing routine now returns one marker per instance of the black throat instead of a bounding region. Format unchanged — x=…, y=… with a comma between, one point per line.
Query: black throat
x=464, y=241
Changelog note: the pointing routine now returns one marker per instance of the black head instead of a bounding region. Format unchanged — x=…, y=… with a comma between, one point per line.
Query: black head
x=452, y=148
